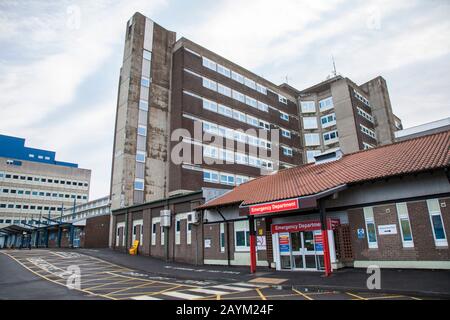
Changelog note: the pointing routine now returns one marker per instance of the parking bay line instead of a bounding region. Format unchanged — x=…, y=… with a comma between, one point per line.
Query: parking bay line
x=302, y=294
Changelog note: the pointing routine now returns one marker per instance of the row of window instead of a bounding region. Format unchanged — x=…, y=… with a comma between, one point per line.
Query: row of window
x=19, y=221
x=365, y=115
x=39, y=156
x=224, y=178
x=8, y=176
x=310, y=123
x=38, y=193
x=368, y=132
x=313, y=139
x=437, y=225
x=310, y=106
x=86, y=214
x=236, y=135
x=236, y=95
x=236, y=157
x=29, y=207
x=233, y=75
x=361, y=98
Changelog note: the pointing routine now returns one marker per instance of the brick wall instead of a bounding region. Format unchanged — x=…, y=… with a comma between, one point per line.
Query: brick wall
x=390, y=247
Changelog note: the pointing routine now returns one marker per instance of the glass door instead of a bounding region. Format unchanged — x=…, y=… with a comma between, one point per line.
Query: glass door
x=297, y=250
x=309, y=251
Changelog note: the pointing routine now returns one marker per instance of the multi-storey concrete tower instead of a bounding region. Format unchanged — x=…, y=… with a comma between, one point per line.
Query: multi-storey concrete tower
x=339, y=114
x=139, y=170
x=167, y=85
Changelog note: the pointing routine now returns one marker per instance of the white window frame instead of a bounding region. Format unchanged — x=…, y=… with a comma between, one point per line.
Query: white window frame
x=224, y=90
x=250, y=83
x=177, y=232
x=402, y=214
x=311, y=142
x=222, y=231
x=155, y=222
x=237, y=77
x=223, y=71
x=209, y=105
x=328, y=123
x=287, y=151
x=307, y=125
x=308, y=106
x=324, y=104
x=261, y=89
x=209, y=84
x=241, y=226
x=369, y=218
x=282, y=99
x=437, y=212
x=189, y=232
x=140, y=153
x=139, y=181
x=285, y=133
x=162, y=234
x=209, y=64
x=331, y=140
x=312, y=152
x=284, y=116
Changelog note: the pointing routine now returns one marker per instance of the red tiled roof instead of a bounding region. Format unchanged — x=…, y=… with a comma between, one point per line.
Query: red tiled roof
x=406, y=157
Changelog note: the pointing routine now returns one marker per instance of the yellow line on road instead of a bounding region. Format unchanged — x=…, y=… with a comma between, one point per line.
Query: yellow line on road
x=218, y=297
x=130, y=288
x=302, y=294
x=109, y=283
x=356, y=296
x=386, y=297
x=260, y=294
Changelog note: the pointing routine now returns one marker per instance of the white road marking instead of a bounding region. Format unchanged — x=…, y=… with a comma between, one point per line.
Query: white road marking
x=232, y=288
x=144, y=298
x=208, y=291
x=245, y=284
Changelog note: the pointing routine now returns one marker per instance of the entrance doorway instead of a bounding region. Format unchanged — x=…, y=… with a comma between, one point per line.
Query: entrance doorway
x=302, y=251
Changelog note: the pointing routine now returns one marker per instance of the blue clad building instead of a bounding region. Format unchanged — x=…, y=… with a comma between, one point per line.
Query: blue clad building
x=13, y=147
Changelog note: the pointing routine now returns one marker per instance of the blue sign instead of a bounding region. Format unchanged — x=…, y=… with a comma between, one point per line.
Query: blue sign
x=285, y=248
x=361, y=234
x=319, y=247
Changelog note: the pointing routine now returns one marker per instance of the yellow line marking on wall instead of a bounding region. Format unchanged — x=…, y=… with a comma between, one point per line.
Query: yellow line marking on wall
x=302, y=294
x=260, y=294
x=356, y=296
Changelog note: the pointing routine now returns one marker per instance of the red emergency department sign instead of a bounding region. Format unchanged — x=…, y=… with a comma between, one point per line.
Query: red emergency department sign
x=273, y=207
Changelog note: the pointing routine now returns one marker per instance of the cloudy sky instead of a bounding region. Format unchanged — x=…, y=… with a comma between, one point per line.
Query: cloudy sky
x=60, y=60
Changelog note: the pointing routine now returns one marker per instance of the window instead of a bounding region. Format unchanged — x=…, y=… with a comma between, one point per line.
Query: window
x=153, y=234
x=326, y=104
x=312, y=139
x=211, y=176
x=139, y=184
x=261, y=89
x=361, y=98
x=143, y=105
x=226, y=111
x=265, y=125
x=147, y=55
x=209, y=105
x=227, y=179
x=328, y=120
x=434, y=210
x=222, y=237
x=241, y=236
x=330, y=137
x=212, y=85
x=224, y=90
x=142, y=130
x=364, y=114
x=210, y=152
x=284, y=116
x=145, y=82
x=263, y=107
x=310, y=154
x=209, y=64
x=367, y=146
x=210, y=127
x=370, y=228
x=238, y=96
x=282, y=99
x=310, y=123
x=286, y=151
x=177, y=231
x=308, y=106
x=405, y=226
x=250, y=83
x=237, y=77
x=189, y=231
x=224, y=71
x=140, y=156
x=251, y=102
x=252, y=121
x=239, y=116
x=368, y=132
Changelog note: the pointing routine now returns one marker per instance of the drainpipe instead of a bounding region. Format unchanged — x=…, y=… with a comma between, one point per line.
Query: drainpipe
x=251, y=220
x=126, y=231
x=228, y=236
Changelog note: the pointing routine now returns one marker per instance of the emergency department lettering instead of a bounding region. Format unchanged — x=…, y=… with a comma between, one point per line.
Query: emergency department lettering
x=274, y=207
